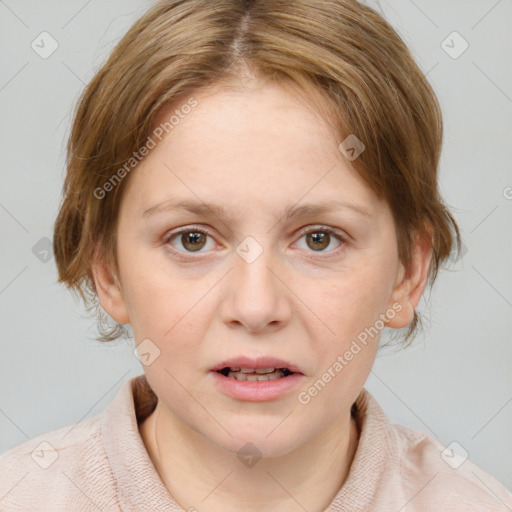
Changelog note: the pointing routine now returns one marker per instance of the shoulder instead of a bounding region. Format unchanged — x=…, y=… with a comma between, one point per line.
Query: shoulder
x=399, y=468
x=58, y=470
x=444, y=477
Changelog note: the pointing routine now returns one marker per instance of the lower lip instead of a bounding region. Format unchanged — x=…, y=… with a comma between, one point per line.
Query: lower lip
x=257, y=391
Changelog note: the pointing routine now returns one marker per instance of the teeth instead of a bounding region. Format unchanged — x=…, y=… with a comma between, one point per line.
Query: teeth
x=271, y=376
x=264, y=370
x=252, y=370
x=253, y=377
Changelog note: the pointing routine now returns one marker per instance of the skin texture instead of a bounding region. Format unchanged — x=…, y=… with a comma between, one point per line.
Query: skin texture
x=254, y=150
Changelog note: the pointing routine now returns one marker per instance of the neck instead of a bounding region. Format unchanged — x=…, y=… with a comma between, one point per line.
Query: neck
x=201, y=475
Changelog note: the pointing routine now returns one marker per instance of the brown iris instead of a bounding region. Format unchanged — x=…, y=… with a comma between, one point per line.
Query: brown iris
x=320, y=239
x=193, y=240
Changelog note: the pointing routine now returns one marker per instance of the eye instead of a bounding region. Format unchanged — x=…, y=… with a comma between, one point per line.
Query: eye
x=193, y=239
x=320, y=238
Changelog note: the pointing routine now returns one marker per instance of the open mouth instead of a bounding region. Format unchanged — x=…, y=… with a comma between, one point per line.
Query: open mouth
x=252, y=374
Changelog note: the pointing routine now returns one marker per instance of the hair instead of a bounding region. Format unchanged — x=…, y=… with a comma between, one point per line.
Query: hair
x=341, y=51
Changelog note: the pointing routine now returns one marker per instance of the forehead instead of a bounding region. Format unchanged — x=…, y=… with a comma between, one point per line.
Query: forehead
x=248, y=142
x=226, y=102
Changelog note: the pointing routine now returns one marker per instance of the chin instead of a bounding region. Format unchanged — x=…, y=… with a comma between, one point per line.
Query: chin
x=255, y=440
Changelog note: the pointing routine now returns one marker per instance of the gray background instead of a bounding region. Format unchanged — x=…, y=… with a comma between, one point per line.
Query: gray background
x=454, y=383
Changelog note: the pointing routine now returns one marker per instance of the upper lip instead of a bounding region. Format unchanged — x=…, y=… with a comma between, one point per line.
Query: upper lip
x=255, y=363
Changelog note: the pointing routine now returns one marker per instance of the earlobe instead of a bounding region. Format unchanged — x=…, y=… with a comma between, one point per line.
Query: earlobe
x=411, y=284
x=109, y=291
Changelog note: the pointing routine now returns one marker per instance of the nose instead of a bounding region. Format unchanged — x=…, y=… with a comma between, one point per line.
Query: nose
x=256, y=295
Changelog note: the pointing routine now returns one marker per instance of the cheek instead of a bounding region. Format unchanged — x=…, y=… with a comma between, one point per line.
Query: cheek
x=155, y=296
x=173, y=312
x=351, y=306
x=353, y=301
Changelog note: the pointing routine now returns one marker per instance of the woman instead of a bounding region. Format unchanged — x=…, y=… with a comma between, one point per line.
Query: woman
x=252, y=188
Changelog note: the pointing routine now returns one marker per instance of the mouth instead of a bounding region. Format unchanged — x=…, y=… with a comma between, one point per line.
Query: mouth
x=257, y=379
x=255, y=374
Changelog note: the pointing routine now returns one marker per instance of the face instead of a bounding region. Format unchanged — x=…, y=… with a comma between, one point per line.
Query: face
x=253, y=276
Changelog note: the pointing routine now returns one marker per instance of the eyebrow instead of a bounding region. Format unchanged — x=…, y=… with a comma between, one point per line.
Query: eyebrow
x=292, y=211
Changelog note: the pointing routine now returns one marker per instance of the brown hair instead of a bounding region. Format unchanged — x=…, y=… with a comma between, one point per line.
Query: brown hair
x=340, y=49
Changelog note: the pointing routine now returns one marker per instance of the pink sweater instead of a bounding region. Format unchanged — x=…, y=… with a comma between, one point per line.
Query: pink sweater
x=102, y=464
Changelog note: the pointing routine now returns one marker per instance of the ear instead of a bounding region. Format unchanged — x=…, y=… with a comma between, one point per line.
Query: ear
x=109, y=290
x=411, y=282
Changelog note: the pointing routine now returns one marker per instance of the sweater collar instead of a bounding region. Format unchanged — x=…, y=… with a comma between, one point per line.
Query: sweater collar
x=373, y=454
x=139, y=486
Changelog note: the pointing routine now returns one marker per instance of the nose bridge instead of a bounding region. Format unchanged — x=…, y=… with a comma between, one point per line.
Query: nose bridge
x=253, y=267
x=257, y=295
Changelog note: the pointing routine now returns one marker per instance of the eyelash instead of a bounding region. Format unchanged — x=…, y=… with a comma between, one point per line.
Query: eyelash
x=196, y=229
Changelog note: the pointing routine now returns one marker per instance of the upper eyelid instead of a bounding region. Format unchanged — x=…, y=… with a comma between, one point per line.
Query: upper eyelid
x=192, y=227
